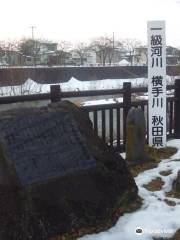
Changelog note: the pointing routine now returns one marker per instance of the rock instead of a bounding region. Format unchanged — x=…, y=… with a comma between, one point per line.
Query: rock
x=135, y=140
x=58, y=176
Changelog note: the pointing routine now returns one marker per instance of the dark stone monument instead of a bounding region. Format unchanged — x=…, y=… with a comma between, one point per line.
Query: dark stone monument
x=135, y=133
x=44, y=146
x=56, y=175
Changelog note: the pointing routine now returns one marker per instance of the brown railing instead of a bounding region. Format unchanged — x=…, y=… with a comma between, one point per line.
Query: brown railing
x=109, y=120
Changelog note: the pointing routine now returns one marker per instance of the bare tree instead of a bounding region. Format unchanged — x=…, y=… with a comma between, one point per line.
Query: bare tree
x=81, y=50
x=63, y=51
x=103, y=48
x=30, y=47
x=2, y=53
x=172, y=51
x=130, y=44
x=141, y=55
x=6, y=49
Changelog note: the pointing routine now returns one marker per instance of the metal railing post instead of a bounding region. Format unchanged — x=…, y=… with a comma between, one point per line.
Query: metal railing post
x=55, y=93
x=127, y=106
x=177, y=109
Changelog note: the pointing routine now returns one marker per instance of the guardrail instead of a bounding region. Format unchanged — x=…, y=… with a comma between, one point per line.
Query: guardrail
x=109, y=120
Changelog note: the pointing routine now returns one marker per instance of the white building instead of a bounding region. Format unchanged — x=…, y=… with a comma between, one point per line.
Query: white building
x=140, y=56
x=88, y=58
x=45, y=51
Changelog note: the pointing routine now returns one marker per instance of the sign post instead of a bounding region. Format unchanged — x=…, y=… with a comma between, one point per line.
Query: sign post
x=157, y=83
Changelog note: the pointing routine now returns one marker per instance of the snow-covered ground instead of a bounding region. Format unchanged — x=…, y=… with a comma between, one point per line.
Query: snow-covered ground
x=102, y=101
x=31, y=87
x=76, y=85
x=155, y=217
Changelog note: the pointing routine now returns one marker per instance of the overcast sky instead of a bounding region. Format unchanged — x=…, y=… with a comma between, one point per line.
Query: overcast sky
x=81, y=20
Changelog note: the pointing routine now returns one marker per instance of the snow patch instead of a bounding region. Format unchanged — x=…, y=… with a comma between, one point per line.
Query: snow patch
x=155, y=217
x=102, y=101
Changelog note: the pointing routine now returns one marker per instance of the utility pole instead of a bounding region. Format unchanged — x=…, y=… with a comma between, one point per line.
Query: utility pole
x=32, y=31
x=34, y=45
x=113, y=50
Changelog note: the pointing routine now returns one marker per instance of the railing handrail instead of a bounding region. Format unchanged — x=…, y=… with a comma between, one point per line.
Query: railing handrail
x=24, y=98
x=116, y=112
x=72, y=94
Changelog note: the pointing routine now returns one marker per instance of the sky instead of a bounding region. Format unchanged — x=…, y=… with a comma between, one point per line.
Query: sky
x=83, y=20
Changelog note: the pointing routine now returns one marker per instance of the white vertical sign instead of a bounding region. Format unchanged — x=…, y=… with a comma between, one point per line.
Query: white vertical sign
x=157, y=83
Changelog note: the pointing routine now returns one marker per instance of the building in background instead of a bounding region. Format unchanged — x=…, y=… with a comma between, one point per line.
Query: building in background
x=87, y=59
x=140, y=56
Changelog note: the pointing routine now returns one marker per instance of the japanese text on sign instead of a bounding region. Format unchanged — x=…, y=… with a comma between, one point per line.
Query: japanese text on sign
x=157, y=83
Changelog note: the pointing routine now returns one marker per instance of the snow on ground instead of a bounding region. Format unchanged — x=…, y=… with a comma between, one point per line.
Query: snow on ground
x=155, y=217
x=123, y=155
x=170, y=93
x=76, y=85
x=102, y=101
x=31, y=87
x=142, y=97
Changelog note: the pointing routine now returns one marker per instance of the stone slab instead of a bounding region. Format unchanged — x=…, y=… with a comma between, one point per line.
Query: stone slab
x=44, y=146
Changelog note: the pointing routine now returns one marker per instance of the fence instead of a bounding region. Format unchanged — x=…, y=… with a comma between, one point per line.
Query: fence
x=109, y=120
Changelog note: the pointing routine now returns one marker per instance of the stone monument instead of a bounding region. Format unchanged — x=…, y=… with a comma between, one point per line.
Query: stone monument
x=135, y=132
x=56, y=175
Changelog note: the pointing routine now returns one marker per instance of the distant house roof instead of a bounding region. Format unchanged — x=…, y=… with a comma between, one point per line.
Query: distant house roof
x=47, y=42
x=48, y=53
